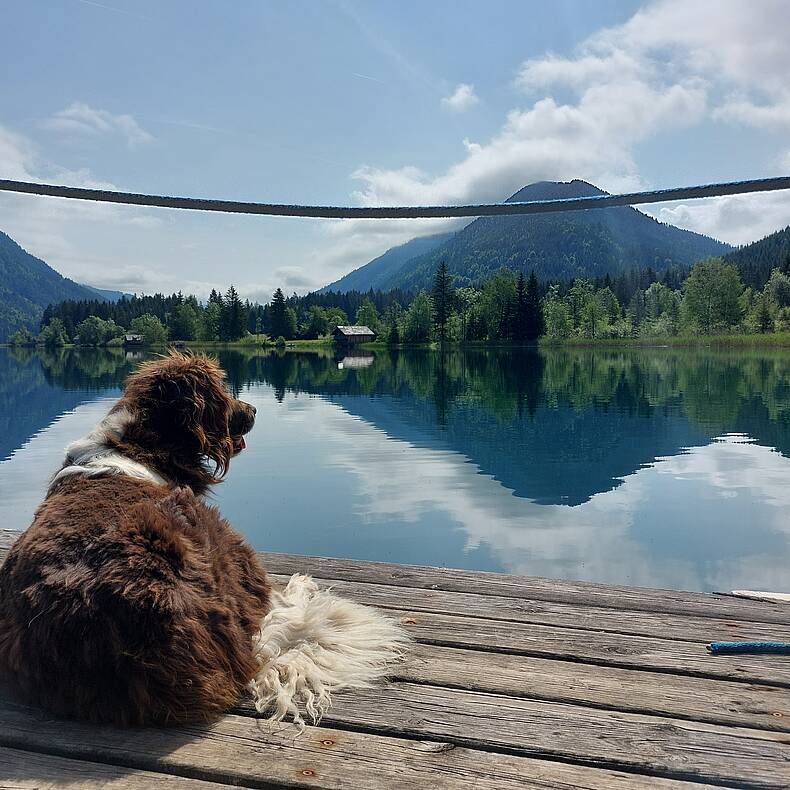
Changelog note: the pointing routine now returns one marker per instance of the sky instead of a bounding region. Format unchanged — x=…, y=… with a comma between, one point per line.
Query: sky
x=370, y=103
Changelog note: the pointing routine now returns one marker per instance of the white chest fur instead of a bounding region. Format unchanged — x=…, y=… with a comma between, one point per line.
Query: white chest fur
x=94, y=455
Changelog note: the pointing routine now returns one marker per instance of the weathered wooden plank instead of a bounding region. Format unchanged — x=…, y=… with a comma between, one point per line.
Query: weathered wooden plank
x=617, y=650
x=20, y=770
x=520, y=588
x=677, y=696
x=580, y=593
x=644, y=744
x=239, y=750
x=659, y=625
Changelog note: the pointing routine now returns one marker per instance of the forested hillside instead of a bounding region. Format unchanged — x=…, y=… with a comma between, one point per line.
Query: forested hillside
x=27, y=286
x=557, y=246
x=755, y=261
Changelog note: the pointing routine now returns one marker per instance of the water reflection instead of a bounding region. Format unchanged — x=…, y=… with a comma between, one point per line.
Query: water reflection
x=654, y=467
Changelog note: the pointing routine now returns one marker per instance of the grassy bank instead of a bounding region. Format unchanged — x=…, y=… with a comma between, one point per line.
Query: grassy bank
x=769, y=341
x=774, y=340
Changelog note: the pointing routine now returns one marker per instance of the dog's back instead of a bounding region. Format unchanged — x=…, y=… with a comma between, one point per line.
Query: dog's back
x=130, y=602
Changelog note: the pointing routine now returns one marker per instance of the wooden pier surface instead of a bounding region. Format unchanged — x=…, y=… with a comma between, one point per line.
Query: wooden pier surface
x=513, y=682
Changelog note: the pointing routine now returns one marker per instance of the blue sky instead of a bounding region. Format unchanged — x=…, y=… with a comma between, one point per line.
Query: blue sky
x=369, y=103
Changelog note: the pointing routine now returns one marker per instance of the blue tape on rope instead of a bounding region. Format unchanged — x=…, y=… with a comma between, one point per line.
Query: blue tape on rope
x=720, y=648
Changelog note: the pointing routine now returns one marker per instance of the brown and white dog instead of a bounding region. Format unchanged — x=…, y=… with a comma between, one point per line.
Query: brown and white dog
x=131, y=601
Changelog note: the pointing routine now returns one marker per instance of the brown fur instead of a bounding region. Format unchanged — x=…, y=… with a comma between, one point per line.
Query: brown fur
x=131, y=602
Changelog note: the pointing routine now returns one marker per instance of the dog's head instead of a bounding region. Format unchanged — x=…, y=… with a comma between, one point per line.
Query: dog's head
x=183, y=418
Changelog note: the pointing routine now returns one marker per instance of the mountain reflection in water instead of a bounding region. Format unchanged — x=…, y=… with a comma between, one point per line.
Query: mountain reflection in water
x=652, y=466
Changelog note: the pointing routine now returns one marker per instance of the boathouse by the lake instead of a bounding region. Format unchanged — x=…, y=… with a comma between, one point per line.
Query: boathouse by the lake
x=353, y=335
x=133, y=341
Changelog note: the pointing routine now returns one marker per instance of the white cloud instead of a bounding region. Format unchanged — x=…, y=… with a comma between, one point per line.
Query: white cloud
x=463, y=98
x=739, y=109
x=737, y=219
x=55, y=229
x=79, y=119
x=673, y=64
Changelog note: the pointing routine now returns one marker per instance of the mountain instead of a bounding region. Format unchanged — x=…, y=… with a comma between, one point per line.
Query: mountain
x=558, y=246
x=27, y=286
x=380, y=270
x=108, y=296
x=755, y=261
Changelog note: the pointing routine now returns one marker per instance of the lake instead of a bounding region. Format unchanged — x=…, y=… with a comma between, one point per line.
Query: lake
x=655, y=467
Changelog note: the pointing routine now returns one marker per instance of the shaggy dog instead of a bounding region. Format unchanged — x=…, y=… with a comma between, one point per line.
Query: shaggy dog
x=131, y=601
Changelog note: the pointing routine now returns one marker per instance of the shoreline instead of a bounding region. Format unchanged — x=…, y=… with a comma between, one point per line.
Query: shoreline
x=777, y=340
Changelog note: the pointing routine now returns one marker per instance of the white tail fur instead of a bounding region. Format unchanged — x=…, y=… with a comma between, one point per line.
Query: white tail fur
x=313, y=643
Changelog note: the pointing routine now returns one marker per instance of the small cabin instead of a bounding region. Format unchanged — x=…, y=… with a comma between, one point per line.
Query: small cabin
x=133, y=341
x=353, y=335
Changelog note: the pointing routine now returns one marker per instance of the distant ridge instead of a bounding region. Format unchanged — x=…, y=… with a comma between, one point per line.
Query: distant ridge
x=107, y=296
x=382, y=269
x=28, y=285
x=557, y=246
x=756, y=260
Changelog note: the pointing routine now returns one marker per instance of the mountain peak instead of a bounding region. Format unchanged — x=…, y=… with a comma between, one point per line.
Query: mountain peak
x=555, y=190
x=558, y=246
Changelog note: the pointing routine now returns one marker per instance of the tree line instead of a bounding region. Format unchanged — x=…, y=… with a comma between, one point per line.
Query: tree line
x=710, y=298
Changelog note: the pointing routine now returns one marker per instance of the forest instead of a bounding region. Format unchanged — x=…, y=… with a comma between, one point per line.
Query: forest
x=708, y=299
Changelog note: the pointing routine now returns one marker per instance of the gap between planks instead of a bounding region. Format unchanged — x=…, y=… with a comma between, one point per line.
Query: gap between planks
x=650, y=745
x=658, y=625
x=678, y=696
x=240, y=751
x=580, y=593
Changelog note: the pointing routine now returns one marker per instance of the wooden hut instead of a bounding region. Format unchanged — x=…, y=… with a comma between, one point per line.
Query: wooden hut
x=133, y=341
x=353, y=335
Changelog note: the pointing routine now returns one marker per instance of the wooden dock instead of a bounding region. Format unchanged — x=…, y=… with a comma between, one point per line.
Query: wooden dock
x=512, y=683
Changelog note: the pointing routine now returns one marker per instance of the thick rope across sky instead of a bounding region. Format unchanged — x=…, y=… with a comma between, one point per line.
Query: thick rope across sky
x=398, y=212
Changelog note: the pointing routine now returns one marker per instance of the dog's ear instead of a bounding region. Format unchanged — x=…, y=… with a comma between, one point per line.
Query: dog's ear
x=183, y=401
x=201, y=407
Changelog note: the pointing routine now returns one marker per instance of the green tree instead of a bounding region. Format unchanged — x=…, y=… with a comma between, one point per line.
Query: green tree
x=283, y=322
x=210, y=321
x=578, y=296
x=22, y=337
x=557, y=315
x=233, y=321
x=533, y=312
x=778, y=288
x=151, y=328
x=53, y=334
x=609, y=303
x=335, y=317
x=418, y=320
x=496, y=300
x=368, y=316
x=394, y=312
x=94, y=331
x=442, y=299
x=184, y=322
x=317, y=322
x=593, y=318
x=711, y=296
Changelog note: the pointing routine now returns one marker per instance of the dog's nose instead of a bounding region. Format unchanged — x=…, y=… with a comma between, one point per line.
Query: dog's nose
x=254, y=410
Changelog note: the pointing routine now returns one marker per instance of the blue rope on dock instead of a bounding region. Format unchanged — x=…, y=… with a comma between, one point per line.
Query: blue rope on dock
x=399, y=212
x=723, y=648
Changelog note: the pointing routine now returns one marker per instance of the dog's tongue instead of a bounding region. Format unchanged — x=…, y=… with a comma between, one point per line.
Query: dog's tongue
x=242, y=444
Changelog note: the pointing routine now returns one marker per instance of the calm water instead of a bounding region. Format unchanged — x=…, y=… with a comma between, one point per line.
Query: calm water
x=651, y=467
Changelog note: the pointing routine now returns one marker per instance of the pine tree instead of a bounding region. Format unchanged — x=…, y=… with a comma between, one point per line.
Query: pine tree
x=442, y=298
x=534, y=324
x=279, y=323
x=233, y=321
x=519, y=317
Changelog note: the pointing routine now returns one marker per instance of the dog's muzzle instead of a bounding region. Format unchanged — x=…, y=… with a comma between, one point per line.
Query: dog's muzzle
x=241, y=422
